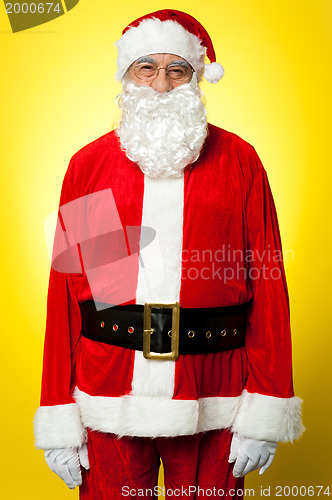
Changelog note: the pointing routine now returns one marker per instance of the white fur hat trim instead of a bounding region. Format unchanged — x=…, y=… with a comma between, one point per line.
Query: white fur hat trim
x=153, y=36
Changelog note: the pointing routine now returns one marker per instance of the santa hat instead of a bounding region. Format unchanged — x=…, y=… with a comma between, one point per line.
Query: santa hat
x=171, y=32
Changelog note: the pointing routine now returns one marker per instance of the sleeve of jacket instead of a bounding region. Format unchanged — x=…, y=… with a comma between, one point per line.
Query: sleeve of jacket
x=57, y=422
x=268, y=408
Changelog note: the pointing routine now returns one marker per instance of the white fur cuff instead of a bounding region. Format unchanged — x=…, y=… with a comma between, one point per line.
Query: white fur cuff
x=58, y=426
x=269, y=418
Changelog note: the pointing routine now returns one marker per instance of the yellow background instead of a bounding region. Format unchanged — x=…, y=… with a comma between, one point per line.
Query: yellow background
x=57, y=94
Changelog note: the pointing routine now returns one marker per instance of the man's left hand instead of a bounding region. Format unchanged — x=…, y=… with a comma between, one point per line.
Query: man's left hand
x=250, y=454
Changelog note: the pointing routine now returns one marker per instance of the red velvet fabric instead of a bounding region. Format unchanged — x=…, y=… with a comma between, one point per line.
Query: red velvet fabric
x=87, y=173
x=228, y=207
x=130, y=465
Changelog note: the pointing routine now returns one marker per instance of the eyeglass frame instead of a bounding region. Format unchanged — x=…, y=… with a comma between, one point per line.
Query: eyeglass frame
x=151, y=61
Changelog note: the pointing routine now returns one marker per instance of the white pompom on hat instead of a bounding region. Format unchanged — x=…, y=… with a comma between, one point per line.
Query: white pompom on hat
x=171, y=32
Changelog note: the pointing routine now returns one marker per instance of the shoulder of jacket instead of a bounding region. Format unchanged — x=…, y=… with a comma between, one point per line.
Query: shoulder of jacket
x=238, y=149
x=95, y=148
x=231, y=139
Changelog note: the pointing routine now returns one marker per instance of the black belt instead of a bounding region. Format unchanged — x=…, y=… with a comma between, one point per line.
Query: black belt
x=200, y=330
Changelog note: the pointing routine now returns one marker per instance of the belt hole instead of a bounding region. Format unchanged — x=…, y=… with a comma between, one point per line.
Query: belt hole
x=223, y=333
x=131, y=329
x=115, y=327
x=191, y=334
x=170, y=333
x=208, y=334
x=234, y=331
x=102, y=324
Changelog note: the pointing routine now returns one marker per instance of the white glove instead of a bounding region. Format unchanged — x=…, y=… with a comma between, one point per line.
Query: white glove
x=250, y=454
x=65, y=462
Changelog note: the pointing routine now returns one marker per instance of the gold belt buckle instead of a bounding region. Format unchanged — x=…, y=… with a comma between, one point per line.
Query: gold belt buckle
x=148, y=331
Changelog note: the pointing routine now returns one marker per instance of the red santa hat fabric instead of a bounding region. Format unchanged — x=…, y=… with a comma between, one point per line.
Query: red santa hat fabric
x=172, y=32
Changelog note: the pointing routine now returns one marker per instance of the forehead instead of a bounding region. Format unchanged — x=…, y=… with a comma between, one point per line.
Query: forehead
x=161, y=58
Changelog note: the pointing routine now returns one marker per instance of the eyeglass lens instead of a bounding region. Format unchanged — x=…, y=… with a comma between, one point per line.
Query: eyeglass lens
x=149, y=71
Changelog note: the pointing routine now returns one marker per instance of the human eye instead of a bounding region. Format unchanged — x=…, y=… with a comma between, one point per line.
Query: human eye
x=178, y=72
x=145, y=69
x=146, y=66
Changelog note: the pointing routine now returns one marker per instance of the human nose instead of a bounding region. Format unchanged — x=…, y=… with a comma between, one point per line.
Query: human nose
x=162, y=82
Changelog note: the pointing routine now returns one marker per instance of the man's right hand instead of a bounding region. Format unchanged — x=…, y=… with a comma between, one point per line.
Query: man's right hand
x=65, y=462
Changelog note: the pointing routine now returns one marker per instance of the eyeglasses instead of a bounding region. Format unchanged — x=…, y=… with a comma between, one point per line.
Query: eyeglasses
x=148, y=71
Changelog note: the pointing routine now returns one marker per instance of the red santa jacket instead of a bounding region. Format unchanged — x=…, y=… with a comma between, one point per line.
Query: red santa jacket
x=215, y=243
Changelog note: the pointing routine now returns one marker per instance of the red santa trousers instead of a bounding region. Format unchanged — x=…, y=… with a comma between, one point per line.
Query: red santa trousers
x=195, y=467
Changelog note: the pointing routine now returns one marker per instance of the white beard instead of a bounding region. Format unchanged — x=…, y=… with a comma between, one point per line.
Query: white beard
x=162, y=132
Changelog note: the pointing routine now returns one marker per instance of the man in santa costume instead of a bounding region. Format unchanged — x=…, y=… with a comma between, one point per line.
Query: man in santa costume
x=167, y=331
